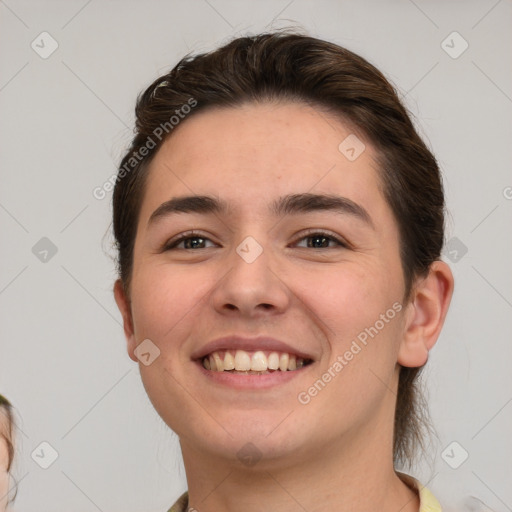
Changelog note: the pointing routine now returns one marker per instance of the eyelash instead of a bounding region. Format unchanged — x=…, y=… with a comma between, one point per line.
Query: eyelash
x=312, y=233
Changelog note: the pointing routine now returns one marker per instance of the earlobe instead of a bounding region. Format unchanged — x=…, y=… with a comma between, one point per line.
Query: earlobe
x=425, y=315
x=124, y=306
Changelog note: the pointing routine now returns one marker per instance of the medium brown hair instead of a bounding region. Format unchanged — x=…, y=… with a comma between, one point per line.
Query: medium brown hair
x=282, y=66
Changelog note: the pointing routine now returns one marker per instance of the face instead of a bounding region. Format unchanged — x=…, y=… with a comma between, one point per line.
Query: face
x=319, y=281
x=4, y=460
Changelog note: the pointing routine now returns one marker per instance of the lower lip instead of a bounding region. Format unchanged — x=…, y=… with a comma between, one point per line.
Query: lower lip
x=241, y=381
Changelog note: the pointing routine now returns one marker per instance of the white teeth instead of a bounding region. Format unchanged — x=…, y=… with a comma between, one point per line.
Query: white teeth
x=242, y=361
x=229, y=362
x=283, y=362
x=218, y=362
x=259, y=362
x=273, y=361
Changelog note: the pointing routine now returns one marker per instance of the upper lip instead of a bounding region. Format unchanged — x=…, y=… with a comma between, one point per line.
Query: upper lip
x=235, y=342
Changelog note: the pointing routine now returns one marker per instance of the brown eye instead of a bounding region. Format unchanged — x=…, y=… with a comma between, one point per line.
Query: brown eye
x=321, y=240
x=187, y=241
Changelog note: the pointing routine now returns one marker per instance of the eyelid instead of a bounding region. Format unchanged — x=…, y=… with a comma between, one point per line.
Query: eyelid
x=192, y=233
x=318, y=231
x=173, y=242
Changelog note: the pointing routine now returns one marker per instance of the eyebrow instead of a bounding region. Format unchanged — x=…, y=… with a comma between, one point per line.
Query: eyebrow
x=291, y=204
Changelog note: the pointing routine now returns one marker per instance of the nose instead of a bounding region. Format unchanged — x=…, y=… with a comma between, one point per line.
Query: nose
x=252, y=286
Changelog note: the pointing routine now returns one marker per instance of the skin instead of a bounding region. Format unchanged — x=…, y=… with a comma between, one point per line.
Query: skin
x=4, y=461
x=335, y=453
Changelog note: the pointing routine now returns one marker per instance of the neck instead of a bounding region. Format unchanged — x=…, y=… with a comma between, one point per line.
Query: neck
x=356, y=475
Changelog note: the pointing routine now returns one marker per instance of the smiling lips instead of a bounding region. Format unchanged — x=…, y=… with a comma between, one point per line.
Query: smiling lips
x=256, y=362
x=240, y=355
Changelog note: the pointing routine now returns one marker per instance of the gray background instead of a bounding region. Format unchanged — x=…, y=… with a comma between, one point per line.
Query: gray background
x=65, y=121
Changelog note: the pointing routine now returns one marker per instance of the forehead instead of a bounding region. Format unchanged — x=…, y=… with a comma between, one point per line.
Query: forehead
x=250, y=153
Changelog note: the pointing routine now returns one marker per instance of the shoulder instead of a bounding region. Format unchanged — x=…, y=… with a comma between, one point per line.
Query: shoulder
x=181, y=505
x=428, y=502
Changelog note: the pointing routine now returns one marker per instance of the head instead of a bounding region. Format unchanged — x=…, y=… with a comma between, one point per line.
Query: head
x=261, y=118
x=6, y=448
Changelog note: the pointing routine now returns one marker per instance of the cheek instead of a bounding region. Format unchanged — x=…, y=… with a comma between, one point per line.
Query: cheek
x=360, y=308
x=349, y=298
x=4, y=454
x=165, y=299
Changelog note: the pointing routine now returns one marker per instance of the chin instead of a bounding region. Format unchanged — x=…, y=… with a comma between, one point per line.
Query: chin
x=269, y=441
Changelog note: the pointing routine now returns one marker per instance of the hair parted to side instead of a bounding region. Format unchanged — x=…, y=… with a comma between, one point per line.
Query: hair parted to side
x=284, y=66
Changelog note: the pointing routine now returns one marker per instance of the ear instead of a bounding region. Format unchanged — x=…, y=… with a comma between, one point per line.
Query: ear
x=123, y=303
x=425, y=315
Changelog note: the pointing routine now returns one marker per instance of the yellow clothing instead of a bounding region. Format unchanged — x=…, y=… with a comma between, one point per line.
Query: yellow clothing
x=428, y=502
